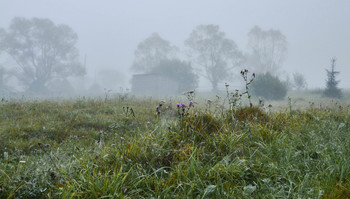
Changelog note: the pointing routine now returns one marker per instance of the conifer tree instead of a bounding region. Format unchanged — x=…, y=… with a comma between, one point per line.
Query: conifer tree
x=332, y=89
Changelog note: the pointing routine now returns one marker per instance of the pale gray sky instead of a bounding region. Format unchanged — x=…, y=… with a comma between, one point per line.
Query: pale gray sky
x=110, y=30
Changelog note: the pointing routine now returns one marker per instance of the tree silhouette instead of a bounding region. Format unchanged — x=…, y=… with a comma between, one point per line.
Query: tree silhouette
x=42, y=50
x=268, y=50
x=213, y=52
x=299, y=81
x=332, y=89
x=151, y=52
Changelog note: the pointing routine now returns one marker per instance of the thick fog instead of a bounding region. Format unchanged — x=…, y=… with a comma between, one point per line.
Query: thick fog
x=109, y=31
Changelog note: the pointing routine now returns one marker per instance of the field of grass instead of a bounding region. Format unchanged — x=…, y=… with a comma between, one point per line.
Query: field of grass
x=128, y=148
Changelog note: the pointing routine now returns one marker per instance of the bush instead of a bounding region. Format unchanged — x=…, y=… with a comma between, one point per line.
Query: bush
x=248, y=114
x=269, y=87
x=201, y=126
x=179, y=71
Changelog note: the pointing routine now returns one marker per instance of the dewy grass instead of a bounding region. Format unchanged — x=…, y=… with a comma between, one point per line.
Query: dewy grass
x=91, y=148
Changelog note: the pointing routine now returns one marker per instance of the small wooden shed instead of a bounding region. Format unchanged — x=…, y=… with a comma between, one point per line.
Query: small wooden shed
x=154, y=84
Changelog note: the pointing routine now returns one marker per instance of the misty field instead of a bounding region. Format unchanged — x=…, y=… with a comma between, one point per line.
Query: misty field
x=128, y=147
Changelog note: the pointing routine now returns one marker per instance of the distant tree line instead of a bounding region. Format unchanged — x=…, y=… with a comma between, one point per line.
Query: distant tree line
x=44, y=52
x=215, y=57
x=212, y=55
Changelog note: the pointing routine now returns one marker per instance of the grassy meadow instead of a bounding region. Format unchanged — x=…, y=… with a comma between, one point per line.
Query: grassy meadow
x=128, y=147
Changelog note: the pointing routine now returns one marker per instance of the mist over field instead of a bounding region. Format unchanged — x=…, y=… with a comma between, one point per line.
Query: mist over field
x=109, y=33
x=174, y=99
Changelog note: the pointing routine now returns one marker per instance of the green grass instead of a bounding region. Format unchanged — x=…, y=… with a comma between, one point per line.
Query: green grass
x=54, y=149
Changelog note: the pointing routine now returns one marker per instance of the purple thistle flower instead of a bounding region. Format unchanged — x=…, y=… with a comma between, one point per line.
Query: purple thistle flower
x=101, y=131
x=148, y=122
x=105, y=133
x=183, y=106
x=191, y=104
x=178, y=105
x=159, y=111
x=75, y=136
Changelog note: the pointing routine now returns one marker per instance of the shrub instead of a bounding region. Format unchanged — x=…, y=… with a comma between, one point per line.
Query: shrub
x=201, y=126
x=248, y=114
x=269, y=87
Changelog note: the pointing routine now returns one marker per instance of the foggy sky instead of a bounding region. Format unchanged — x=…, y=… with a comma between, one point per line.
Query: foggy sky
x=110, y=30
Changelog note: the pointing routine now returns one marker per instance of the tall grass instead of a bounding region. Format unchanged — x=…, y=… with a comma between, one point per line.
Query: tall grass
x=96, y=149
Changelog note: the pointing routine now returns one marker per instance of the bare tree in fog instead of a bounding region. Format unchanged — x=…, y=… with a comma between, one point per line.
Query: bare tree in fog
x=151, y=51
x=299, y=81
x=43, y=51
x=3, y=86
x=268, y=50
x=4, y=74
x=213, y=52
x=2, y=36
